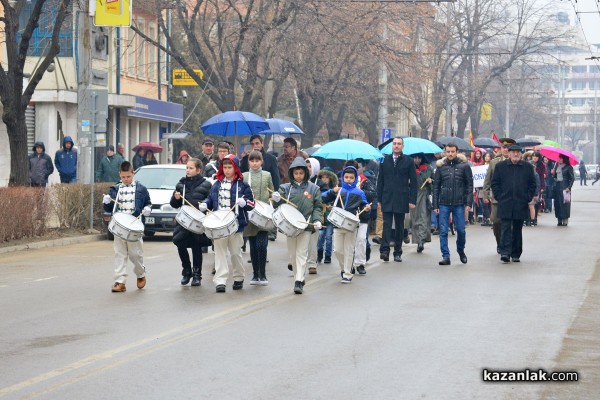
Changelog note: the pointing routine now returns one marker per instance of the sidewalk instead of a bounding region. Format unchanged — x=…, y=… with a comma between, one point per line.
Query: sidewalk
x=53, y=243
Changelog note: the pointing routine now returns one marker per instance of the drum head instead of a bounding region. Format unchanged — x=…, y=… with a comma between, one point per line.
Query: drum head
x=129, y=221
x=193, y=212
x=263, y=208
x=293, y=216
x=218, y=219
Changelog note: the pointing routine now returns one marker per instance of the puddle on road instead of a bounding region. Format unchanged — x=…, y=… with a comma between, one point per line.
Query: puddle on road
x=50, y=341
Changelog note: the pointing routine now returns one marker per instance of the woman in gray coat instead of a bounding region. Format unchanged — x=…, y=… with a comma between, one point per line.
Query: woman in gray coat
x=563, y=182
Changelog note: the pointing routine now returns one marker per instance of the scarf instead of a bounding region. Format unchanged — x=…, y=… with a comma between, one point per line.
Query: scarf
x=559, y=172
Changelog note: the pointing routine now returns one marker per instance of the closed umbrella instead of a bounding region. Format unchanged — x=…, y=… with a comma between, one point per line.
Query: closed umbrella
x=347, y=149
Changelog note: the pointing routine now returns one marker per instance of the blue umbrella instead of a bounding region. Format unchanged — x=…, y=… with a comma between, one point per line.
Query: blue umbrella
x=234, y=123
x=281, y=127
x=347, y=149
x=413, y=145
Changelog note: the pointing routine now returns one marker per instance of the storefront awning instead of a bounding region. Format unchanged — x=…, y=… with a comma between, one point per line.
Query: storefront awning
x=157, y=110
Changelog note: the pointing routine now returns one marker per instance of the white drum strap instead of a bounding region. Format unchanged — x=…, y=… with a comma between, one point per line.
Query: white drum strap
x=116, y=200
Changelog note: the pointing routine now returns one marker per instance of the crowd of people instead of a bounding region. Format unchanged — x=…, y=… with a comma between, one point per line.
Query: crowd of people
x=397, y=197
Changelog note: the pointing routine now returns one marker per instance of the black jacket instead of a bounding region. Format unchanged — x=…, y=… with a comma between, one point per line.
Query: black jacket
x=452, y=183
x=269, y=165
x=396, y=185
x=513, y=186
x=40, y=166
x=197, y=190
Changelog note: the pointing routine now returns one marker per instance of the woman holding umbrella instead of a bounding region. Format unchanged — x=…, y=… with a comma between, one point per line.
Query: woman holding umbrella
x=563, y=177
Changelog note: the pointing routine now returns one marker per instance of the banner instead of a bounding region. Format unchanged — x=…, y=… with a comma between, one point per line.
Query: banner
x=479, y=173
x=486, y=112
x=112, y=13
x=471, y=141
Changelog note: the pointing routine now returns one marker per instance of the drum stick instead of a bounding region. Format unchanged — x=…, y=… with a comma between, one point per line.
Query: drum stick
x=423, y=185
x=339, y=197
x=186, y=200
x=361, y=211
x=113, y=200
x=284, y=199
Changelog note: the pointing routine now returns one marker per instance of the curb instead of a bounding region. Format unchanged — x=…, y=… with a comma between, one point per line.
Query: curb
x=54, y=243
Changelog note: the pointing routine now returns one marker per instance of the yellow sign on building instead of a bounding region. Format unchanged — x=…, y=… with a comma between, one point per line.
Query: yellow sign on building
x=182, y=78
x=112, y=13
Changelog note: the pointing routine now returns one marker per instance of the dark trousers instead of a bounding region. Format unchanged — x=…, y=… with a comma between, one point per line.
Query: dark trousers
x=185, y=259
x=511, y=242
x=258, y=253
x=398, y=219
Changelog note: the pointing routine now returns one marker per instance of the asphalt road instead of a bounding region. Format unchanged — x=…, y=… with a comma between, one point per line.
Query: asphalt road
x=405, y=330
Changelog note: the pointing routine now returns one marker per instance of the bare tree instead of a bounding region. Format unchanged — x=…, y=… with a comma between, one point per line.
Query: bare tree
x=18, y=29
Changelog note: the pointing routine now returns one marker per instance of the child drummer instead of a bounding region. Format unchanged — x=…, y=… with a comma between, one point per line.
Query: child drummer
x=132, y=198
x=262, y=184
x=353, y=200
x=306, y=196
x=230, y=192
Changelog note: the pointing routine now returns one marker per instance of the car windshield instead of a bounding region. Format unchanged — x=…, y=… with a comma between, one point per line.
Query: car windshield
x=159, y=178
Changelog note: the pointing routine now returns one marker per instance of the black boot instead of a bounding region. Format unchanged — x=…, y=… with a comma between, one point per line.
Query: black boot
x=186, y=275
x=196, y=276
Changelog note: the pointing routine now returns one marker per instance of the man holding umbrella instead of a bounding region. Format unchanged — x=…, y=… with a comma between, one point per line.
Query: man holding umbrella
x=397, y=193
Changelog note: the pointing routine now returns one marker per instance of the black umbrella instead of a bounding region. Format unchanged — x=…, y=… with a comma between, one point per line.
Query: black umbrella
x=528, y=142
x=462, y=144
x=311, y=150
x=486, y=142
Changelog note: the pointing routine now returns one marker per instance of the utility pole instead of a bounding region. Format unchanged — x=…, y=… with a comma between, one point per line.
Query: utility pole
x=382, y=90
x=507, y=128
x=595, y=124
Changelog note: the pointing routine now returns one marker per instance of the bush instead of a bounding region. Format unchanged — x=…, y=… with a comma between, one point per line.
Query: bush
x=71, y=205
x=23, y=212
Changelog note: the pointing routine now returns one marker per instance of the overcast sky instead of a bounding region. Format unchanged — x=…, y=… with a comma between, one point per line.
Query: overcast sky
x=589, y=22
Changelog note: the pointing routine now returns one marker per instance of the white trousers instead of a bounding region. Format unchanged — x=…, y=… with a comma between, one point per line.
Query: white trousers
x=298, y=246
x=233, y=243
x=312, y=250
x=135, y=252
x=343, y=248
x=360, y=247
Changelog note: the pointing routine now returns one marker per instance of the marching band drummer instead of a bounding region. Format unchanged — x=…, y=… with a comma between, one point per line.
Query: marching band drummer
x=261, y=183
x=133, y=198
x=229, y=192
x=196, y=189
x=353, y=200
x=307, y=198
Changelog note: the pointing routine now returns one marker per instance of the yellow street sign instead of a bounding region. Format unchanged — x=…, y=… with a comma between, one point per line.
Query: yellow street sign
x=182, y=78
x=112, y=13
x=486, y=112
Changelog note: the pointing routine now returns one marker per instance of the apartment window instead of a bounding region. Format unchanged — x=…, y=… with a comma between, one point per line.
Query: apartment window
x=42, y=35
x=579, y=69
x=130, y=52
x=141, y=51
x=152, y=53
x=578, y=85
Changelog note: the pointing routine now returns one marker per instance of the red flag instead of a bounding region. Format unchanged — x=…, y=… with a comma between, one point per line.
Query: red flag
x=496, y=139
x=471, y=142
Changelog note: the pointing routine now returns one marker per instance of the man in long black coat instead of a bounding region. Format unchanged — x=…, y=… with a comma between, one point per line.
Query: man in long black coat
x=396, y=192
x=513, y=185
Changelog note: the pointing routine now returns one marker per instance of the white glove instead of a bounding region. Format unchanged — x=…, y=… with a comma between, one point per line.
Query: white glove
x=106, y=199
x=202, y=207
x=276, y=197
x=318, y=225
x=146, y=211
x=241, y=202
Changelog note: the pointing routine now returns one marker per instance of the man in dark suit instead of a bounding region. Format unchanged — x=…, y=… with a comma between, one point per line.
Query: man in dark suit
x=513, y=185
x=397, y=192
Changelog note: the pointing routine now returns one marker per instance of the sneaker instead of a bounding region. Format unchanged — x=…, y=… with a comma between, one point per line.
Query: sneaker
x=221, y=288
x=238, y=285
x=346, y=280
x=327, y=260
x=312, y=270
x=118, y=287
x=361, y=270
x=298, y=287
x=263, y=281
x=141, y=282
x=254, y=281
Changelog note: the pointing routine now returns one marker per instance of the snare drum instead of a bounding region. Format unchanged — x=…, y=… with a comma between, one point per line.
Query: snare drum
x=343, y=219
x=191, y=219
x=220, y=224
x=126, y=227
x=262, y=215
x=289, y=220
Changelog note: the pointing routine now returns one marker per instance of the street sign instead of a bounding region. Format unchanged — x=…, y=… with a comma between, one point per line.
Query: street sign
x=112, y=12
x=182, y=78
x=386, y=134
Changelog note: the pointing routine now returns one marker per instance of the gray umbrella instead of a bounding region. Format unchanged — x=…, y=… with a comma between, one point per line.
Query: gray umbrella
x=462, y=144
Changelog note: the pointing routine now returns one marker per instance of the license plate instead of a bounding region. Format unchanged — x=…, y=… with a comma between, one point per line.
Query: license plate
x=149, y=220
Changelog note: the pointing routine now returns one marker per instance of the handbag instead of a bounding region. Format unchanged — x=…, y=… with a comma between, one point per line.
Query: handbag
x=566, y=196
